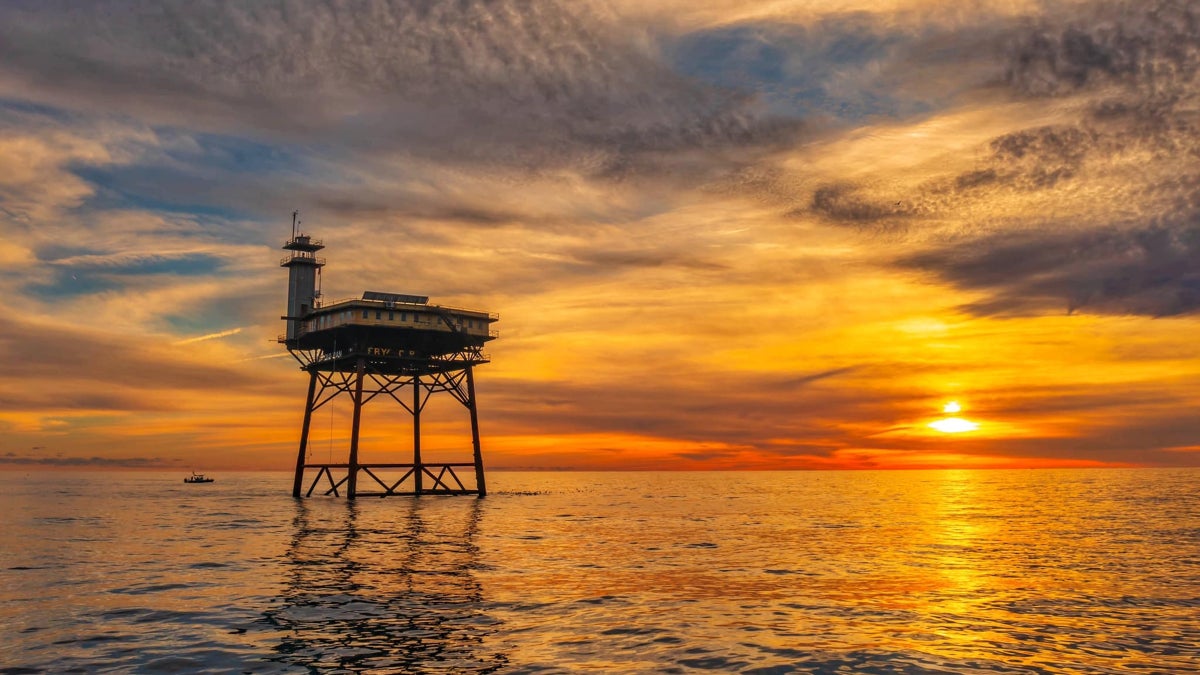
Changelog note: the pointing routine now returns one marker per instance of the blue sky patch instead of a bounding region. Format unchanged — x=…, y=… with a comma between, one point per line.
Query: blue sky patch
x=153, y=188
x=196, y=174
x=66, y=285
x=798, y=70
x=10, y=107
x=93, y=273
x=227, y=153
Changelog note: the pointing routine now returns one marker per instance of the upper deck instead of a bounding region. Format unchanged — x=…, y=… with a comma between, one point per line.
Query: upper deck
x=388, y=324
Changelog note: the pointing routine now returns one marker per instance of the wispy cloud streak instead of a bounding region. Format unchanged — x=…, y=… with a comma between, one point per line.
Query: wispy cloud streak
x=210, y=336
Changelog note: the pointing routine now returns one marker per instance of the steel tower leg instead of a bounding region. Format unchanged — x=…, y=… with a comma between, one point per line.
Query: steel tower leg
x=480, y=484
x=417, y=468
x=308, y=409
x=352, y=482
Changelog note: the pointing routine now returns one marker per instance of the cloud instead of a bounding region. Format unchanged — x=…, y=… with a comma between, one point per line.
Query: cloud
x=842, y=204
x=1135, y=66
x=1096, y=210
x=613, y=258
x=502, y=82
x=749, y=411
x=1148, y=270
x=126, y=368
x=836, y=67
x=107, y=462
x=90, y=273
x=35, y=184
x=210, y=336
x=1087, y=46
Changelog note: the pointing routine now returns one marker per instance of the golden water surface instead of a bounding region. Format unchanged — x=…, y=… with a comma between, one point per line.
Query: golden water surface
x=1079, y=571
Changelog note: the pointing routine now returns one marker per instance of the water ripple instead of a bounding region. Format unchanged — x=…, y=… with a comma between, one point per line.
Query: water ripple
x=906, y=572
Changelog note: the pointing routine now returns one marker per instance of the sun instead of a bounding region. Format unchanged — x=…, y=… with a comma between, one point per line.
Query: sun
x=953, y=425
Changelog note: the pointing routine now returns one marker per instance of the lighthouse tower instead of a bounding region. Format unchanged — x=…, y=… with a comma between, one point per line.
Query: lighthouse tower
x=304, y=267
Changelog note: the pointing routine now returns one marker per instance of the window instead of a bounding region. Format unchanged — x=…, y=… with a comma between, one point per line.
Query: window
x=378, y=315
x=404, y=316
x=391, y=316
x=366, y=314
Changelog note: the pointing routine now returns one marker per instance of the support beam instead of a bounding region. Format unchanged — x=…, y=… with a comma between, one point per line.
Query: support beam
x=358, y=400
x=416, y=412
x=297, y=484
x=480, y=484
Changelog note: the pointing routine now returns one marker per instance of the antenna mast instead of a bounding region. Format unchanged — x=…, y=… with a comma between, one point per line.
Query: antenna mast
x=294, y=223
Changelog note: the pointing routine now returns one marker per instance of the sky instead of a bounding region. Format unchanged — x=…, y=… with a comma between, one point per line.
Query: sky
x=720, y=235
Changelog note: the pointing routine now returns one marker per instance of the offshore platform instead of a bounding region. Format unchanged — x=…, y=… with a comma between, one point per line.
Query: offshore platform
x=386, y=346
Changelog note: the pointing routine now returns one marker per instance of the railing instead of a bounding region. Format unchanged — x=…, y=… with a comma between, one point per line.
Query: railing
x=322, y=356
x=289, y=258
x=339, y=301
x=302, y=330
x=493, y=316
x=311, y=241
x=444, y=482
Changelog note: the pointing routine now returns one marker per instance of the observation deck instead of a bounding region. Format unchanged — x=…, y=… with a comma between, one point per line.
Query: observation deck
x=304, y=249
x=391, y=325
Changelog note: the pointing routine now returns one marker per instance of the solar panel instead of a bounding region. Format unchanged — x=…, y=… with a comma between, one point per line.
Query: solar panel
x=393, y=298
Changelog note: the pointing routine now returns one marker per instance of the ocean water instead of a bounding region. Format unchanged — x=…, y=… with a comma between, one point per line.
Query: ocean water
x=1078, y=571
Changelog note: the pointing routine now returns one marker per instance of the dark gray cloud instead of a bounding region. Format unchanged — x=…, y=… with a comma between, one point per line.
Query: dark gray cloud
x=508, y=82
x=1028, y=160
x=1145, y=46
x=1033, y=159
x=669, y=255
x=1130, y=70
x=28, y=460
x=1150, y=270
x=844, y=204
x=705, y=456
x=1136, y=63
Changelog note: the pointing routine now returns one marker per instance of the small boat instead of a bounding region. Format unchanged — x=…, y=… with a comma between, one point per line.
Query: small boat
x=197, y=478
